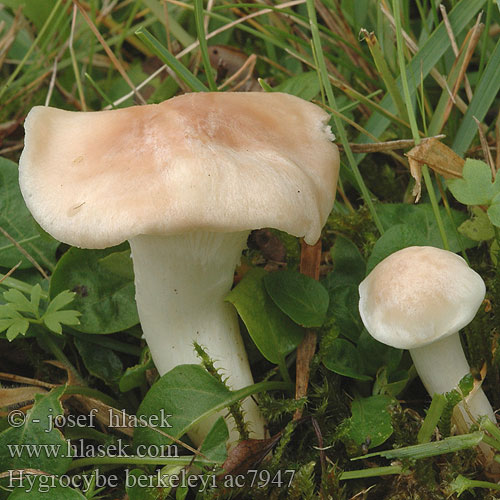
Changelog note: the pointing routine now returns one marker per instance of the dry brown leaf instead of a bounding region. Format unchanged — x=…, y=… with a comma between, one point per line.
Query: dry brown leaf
x=247, y=455
x=18, y=395
x=438, y=157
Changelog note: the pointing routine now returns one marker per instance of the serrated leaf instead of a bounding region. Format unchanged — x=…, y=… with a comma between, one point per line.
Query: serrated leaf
x=19, y=301
x=476, y=187
x=54, y=320
x=300, y=297
x=18, y=327
x=9, y=311
x=36, y=293
x=52, y=324
x=60, y=300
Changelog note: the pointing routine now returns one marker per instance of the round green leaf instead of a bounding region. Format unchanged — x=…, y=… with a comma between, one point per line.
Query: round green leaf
x=274, y=334
x=371, y=422
x=104, y=287
x=342, y=357
x=300, y=297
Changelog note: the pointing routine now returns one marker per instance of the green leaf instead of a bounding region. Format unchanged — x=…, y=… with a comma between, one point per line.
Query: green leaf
x=120, y=264
x=494, y=210
x=135, y=376
x=415, y=225
x=376, y=355
x=343, y=308
x=38, y=437
x=274, y=333
x=214, y=445
x=60, y=300
x=105, y=299
x=349, y=267
x=476, y=187
x=306, y=85
x=479, y=227
x=54, y=320
x=103, y=363
x=341, y=357
x=395, y=238
x=19, y=301
x=425, y=450
x=36, y=293
x=18, y=326
x=135, y=489
x=18, y=222
x=44, y=486
x=300, y=297
x=371, y=421
x=188, y=393
x=37, y=12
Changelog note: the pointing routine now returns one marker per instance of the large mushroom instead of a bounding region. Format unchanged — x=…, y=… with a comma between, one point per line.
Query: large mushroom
x=419, y=298
x=184, y=182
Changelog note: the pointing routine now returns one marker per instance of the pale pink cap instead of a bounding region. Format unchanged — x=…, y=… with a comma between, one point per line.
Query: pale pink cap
x=419, y=295
x=209, y=161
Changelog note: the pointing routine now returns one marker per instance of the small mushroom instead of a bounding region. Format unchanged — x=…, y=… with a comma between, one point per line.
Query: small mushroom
x=184, y=182
x=418, y=299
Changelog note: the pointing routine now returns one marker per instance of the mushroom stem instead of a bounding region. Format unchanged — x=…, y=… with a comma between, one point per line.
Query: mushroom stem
x=441, y=365
x=181, y=283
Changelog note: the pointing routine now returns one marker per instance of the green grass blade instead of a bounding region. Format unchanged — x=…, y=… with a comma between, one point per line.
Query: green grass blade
x=418, y=451
x=385, y=73
x=323, y=74
x=180, y=70
x=413, y=122
x=202, y=40
x=371, y=472
x=46, y=26
x=484, y=94
x=425, y=59
x=431, y=420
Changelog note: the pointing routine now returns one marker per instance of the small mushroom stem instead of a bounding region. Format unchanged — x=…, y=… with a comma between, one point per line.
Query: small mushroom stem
x=181, y=283
x=441, y=365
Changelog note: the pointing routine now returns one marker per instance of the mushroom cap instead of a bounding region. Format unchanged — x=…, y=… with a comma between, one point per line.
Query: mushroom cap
x=217, y=162
x=419, y=295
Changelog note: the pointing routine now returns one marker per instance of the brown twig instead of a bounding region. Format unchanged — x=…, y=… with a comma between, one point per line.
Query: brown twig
x=310, y=258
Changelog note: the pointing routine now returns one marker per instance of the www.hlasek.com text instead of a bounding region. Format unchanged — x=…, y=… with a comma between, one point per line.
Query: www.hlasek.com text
x=253, y=479
x=81, y=449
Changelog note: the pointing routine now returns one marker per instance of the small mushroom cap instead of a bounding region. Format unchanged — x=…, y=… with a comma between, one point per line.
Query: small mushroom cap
x=419, y=295
x=209, y=161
